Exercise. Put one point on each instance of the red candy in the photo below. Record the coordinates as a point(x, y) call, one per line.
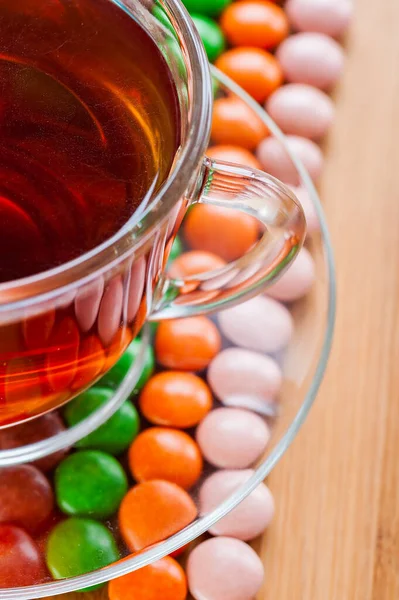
point(20, 560)
point(26, 497)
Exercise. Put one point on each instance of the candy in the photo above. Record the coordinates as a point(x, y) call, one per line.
point(224, 569)
point(187, 344)
point(297, 281)
point(195, 262)
point(77, 546)
point(114, 377)
point(163, 579)
point(331, 17)
point(212, 8)
point(153, 511)
point(231, 438)
point(234, 154)
point(168, 454)
point(254, 69)
point(254, 23)
point(116, 434)
point(234, 122)
point(302, 110)
point(276, 161)
point(177, 249)
point(211, 35)
point(312, 218)
point(26, 497)
point(175, 399)
point(35, 431)
point(109, 315)
point(311, 58)
point(257, 325)
point(250, 518)
point(238, 376)
point(20, 560)
point(227, 233)
point(90, 483)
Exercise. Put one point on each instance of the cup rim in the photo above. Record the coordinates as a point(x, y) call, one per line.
point(43, 286)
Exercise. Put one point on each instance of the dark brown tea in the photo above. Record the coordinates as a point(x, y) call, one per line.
point(89, 127)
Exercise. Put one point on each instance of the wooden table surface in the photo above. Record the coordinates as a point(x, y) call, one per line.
point(336, 532)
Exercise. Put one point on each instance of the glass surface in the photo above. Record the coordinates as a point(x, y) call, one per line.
point(303, 365)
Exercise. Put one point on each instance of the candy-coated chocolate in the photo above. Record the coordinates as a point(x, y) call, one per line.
point(232, 438)
point(211, 35)
point(224, 568)
point(211, 8)
point(152, 511)
point(312, 219)
point(237, 375)
point(250, 518)
point(177, 249)
point(78, 546)
point(258, 23)
point(275, 159)
point(265, 326)
point(168, 454)
point(235, 155)
point(187, 344)
point(234, 122)
point(175, 399)
point(90, 483)
point(20, 560)
point(331, 17)
point(39, 429)
point(222, 231)
point(297, 281)
point(255, 70)
point(27, 499)
point(163, 579)
point(195, 262)
point(115, 435)
point(312, 58)
point(114, 377)
point(300, 109)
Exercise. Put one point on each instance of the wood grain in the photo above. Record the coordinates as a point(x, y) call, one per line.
point(336, 532)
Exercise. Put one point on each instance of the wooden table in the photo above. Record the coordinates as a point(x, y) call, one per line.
point(336, 533)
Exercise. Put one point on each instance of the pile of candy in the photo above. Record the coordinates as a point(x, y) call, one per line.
point(200, 416)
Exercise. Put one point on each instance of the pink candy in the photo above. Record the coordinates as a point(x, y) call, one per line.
point(331, 17)
point(231, 438)
point(297, 281)
point(224, 569)
point(258, 324)
point(250, 518)
point(276, 160)
point(243, 378)
point(312, 219)
point(311, 58)
point(300, 109)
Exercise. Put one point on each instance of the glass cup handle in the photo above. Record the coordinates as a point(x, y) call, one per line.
point(281, 219)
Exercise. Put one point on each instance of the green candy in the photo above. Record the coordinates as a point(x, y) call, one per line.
point(113, 436)
point(114, 377)
point(79, 546)
point(176, 250)
point(211, 35)
point(162, 16)
point(90, 483)
point(210, 8)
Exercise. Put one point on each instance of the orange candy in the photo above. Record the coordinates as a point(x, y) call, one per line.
point(234, 122)
point(175, 399)
point(152, 511)
point(227, 233)
point(164, 579)
point(194, 262)
point(254, 23)
point(234, 154)
point(255, 70)
point(187, 344)
point(168, 454)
